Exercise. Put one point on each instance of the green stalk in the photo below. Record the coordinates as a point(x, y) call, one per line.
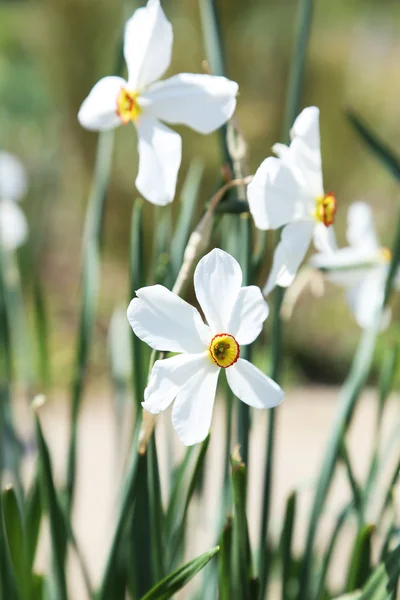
point(304, 19)
point(348, 398)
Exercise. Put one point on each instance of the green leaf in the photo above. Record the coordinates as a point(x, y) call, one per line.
point(15, 534)
point(360, 563)
point(225, 562)
point(382, 584)
point(50, 501)
point(8, 585)
point(179, 578)
point(286, 542)
point(382, 151)
point(185, 484)
point(33, 517)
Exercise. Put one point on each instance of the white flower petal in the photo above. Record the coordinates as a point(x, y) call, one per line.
point(251, 386)
point(98, 111)
point(324, 238)
point(147, 45)
point(289, 253)
point(166, 322)
point(13, 177)
point(202, 102)
point(306, 128)
point(360, 228)
point(367, 296)
point(248, 315)
point(274, 195)
point(160, 153)
point(280, 150)
point(13, 225)
point(167, 377)
point(217, 283)
point(345, 267)
point(193, 407)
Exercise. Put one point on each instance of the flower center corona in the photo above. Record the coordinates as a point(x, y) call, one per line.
point(385, 255)
point(326, 209)
point(127, 106)
point(224, 350)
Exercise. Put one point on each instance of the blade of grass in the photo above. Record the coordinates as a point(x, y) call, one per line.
point(360, 564)
point(286, 543)
point(225, 562)
point(33, 517)
point(8, 585)
point(348, 398)
point(293, 97)
point(380, 149)
point(178, 579)
point(14, 531)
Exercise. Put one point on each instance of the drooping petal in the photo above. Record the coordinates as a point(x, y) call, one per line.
point(202, 102)
point(324, 238)
point(168, 377)
point(367, 296)
point(251, 386)
point(13, 178)
point(98, 111)
point(248, 315)
point(13, 225)
point(217, 282)
point(147, 45)
point(289, 253)
point(160, 153)
point(274, 195)
point(360, 228)
point(166, 322)
point(193, 407)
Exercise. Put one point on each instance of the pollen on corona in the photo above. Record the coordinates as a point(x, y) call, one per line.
point(326, 209)
point(128, 108)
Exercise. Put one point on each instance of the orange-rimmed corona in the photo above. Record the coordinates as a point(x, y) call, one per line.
point(128, 108)
point(224, 350)
point(326, 209)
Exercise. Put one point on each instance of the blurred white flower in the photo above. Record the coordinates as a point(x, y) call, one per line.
point(361, 268)
point(288, 191)
point(235, 317)
point(13, 185)
point(203, 102)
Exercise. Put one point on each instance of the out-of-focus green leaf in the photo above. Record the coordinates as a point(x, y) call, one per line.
point(15, 534)
point(58, 532)
point(38, 587)
point(360, 563)
point(42, 332)
point(178, 579)
point(383, 583)
point(156, 512)
point(242, 570)
point(182, 493)
point(33, 517)
point(187, 209)
point(381, 150)
point(225, 562)
point(8, 585)
point(286, 542)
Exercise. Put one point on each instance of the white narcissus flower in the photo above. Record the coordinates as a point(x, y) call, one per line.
point(202, 102)
point(288, 192)
point(361, 268)
point(235, 317)
point(13, 185)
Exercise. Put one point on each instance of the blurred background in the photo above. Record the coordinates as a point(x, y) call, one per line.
point(53, 51)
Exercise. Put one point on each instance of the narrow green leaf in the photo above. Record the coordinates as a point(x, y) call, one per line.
point(242, 571)
point(178, 579)
point(50, 501)
point(225, 562)
point(286, 543)
point(355, 488)
point(42, 332)
point(33, 517)
point(8, 584)
point(382, 151)
point(360, 564)
point(187, 209)
point(14, 529)
point(181, 497)
point(156, 511)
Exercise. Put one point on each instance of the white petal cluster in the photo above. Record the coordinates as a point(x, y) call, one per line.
point(361, 267)
point(167, 323)
point(13, 186)
point(288, 192)
point(202, 102)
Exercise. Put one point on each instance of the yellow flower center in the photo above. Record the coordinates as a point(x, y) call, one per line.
point(326, 209)
point(385, 255)
point(224, 350)
point(127, 107)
